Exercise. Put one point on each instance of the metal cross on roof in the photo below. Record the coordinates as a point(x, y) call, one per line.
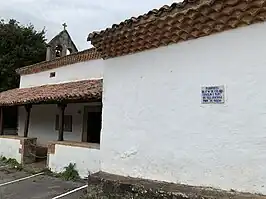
point(64, 25)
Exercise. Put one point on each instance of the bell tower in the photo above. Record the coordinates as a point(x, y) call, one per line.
point(61, 45)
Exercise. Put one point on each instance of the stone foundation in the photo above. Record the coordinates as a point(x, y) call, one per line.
point(104, 186)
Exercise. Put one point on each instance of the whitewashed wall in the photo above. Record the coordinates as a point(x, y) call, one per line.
point(74, 72)
point(87, 159)
point(10, 148)
point(154, 125)
point(43, 118)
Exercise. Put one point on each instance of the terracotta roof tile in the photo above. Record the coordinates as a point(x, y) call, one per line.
point(82, 90)
point(188, 20)
point(151, 15)
point(89, 54)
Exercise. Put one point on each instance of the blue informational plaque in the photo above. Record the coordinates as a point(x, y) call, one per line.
point(212, 95)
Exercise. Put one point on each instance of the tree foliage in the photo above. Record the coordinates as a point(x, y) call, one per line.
point(19, 46)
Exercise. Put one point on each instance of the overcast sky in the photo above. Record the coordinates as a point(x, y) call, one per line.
point(81, 16)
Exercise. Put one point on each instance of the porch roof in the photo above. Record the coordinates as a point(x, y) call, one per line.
point(73, 91)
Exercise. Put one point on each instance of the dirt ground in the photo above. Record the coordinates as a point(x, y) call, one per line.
point(13, 185)
point(105, 185)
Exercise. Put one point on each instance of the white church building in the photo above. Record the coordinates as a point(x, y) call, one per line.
point(60, 108)
point(176, 95)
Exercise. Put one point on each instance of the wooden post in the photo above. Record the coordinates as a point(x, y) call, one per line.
point(27, 121)
point(62, 108)
point(1, 121)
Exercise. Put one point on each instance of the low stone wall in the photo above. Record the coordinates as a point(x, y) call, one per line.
point(86, 156)
point(104, 186)
point(28, 150)
point(19, 148)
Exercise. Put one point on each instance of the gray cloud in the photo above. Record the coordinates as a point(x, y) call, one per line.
point(82, 16)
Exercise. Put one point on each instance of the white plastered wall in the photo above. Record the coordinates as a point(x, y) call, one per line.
point(92, 69)
point(10, 148)
point(87, 159)
point(155, 127)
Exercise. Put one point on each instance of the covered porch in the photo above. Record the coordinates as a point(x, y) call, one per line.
point(59, 121)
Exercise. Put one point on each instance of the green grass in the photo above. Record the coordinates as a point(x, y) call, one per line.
point(13, 163)
point(70, 173)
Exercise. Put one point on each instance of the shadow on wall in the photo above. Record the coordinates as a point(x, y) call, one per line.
point(10, 131)
point(10, 120)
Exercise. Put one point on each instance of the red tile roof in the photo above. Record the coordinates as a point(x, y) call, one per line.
point(89, 54)
point(73, 91)
point(150, 16)
point(179, 22)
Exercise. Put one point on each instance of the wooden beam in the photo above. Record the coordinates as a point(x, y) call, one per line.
point(1, 121)
point(27, 120)
point(62, 108)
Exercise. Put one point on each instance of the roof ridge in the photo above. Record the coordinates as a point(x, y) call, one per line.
point(155, 13)
point(204, 3)
point(91, 51)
